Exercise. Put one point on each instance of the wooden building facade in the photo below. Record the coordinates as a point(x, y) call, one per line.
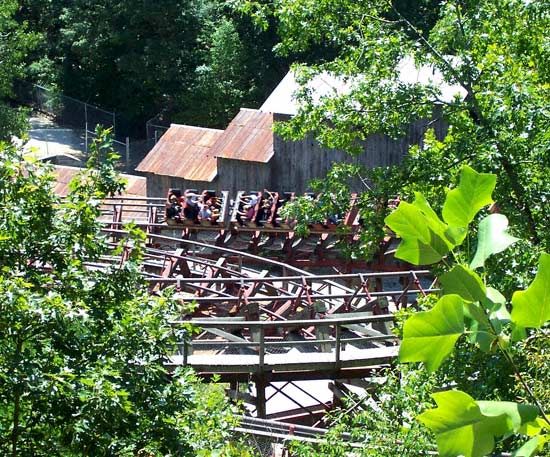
point(248, 156)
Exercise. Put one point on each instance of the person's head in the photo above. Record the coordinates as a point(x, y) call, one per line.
point(173, 199)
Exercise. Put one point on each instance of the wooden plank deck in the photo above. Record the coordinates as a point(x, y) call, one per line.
point(292, 361)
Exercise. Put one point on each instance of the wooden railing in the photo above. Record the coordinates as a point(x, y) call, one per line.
point(328, 340)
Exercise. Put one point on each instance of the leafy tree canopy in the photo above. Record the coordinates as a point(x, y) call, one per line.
point(82, 348)
point(496, 52)
point(194, 61)
point(15, 42)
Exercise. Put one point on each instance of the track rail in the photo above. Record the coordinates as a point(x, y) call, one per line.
point(263, 232)
point(273, 323)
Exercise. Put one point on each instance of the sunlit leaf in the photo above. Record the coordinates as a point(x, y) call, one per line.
point(430, 336)
point(464, 282)
point(473, 193)
point(531, 307)
point(478, 326)
point(492, 238)
point(465, 427)
point(531, 447)
point(423, 234)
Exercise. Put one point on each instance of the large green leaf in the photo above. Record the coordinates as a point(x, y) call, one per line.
point(464, 282)
point(518, 413)
point(423, 234)
point(492, 238)
point(419, 253)
point(531, 307)
point(495, 304)
point(435, 222)
point(473, 193)
point(478, 326)
point(532, 446)
point(465, 427)
point(430, 336)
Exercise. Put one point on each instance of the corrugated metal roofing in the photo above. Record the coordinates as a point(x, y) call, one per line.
point(185, 152)
point(136, 187)
point(248, 136)
point(282, 100)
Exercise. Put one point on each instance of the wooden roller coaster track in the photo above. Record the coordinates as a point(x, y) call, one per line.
point(277, 322)
point(262, 233)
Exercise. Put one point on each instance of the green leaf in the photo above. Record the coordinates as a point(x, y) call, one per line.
point(422, 232)
point(456, 234)
point(464, 282)
point(492, 238)
point(495, 304)
point(435, 222)
point(478, 326)
point(534, 427)
point(531, 307)
point(519, 333)
point(419, 253)
point(531, 447)
point(465, 427)
point(430, 336)
point(473, 193)
point(518, 413)
point(495, 298)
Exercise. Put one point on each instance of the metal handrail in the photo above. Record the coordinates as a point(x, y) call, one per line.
point(261, 298)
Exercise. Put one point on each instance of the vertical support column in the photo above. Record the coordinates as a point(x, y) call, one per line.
point(262, 349)
point(261, 383)
point(338, 345)
point(260, 378)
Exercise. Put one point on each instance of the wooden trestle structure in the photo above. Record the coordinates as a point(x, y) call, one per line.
point(270, 324)
point(272, 237)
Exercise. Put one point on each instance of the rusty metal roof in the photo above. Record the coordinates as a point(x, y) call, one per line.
point(248, 136)
point(184, 152)
point(136, 187)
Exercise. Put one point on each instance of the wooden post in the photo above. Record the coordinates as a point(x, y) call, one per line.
point(262, 349)
point(337, 351)
point(261, 384)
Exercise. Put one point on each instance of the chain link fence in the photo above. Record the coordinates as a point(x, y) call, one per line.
point(68, 112)
point(156, 127)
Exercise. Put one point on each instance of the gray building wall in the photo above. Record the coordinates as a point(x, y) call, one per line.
point(296, 162)
point(235, 175)
point(158, 185)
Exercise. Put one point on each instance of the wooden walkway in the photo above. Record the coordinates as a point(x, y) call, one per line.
point(312, 347)
point(291, 361)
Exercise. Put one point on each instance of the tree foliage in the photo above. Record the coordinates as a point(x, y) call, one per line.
point(486, 372)
point(470, 307)
point(82, 349)
point(194, 61)
point(15, 42)
point(493, 54)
